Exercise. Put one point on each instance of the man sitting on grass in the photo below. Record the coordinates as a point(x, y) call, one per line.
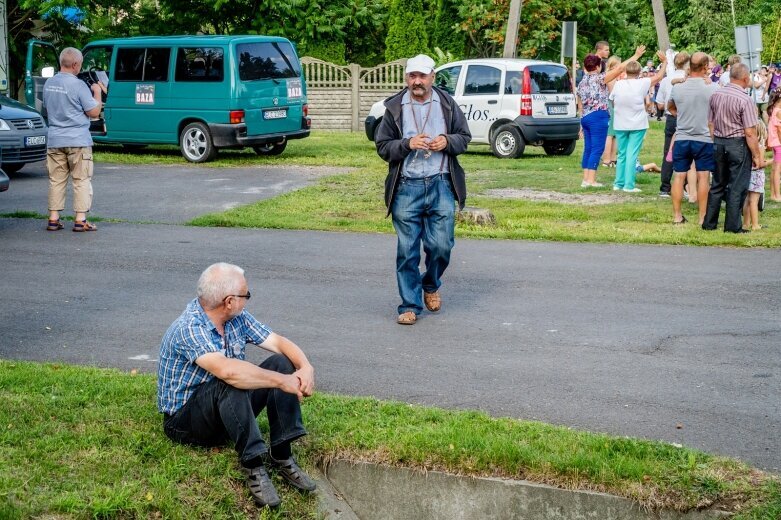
point(209, 394)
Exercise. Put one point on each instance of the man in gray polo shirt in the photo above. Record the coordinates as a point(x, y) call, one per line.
point(689, 103)
point(70, 105)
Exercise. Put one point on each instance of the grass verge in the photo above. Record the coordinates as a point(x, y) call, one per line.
point(353, 201)
point(84, 442)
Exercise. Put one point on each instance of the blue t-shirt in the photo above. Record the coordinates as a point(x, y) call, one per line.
point(66, 98)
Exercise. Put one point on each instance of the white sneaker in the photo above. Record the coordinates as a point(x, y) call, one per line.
point(633, 190)
point(597, 185)
point(585, 184)
point(616, 188)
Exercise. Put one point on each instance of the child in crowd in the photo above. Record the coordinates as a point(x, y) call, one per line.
point(774, 143)
point(756, 186)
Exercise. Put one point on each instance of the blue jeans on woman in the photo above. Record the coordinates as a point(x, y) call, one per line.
point(594, 136)
point(423, 210)
point(629, 143)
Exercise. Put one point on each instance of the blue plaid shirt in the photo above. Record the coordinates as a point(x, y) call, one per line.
point(188, 338)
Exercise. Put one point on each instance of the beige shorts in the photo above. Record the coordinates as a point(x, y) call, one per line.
point(73, 163)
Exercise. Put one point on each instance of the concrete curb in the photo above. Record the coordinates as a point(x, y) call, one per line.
point(377, 492)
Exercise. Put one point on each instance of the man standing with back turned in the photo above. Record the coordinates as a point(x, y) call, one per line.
point(70, 104)
point(421, 134)
point(733, 115)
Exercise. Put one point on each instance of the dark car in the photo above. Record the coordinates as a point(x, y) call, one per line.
point(22, 135)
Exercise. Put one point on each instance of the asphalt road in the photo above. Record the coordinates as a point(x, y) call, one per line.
point(671, 343)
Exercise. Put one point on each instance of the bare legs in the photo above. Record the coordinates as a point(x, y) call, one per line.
point(751, 211)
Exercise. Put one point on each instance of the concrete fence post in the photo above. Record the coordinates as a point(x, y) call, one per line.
point(355, 87)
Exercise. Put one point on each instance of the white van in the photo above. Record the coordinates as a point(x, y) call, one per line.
point(509, 103)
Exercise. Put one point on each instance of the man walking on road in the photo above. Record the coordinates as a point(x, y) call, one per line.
point(688, 102)
point(733, 115)
point(209, 394)
point(421, 134)
point(70, 104)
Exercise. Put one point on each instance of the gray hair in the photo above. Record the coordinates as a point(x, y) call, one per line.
point(738, 72)
point(69, 56)
point(218, 281)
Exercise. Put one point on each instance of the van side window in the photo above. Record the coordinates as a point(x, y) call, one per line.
point(447, 79)
point(481, 79)
point(200, 64)
point(271, 60)
point(512, 82)
point(142, 64)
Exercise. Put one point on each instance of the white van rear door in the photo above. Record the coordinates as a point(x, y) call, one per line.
point(552, 95)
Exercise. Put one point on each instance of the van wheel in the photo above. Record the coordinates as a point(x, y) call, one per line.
point(196, 144)
point(559, 147)
point(270, 148)
point(507, 142)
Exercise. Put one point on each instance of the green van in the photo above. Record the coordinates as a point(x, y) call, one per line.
point(200, 92)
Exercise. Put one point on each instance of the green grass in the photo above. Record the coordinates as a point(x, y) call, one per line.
point(82, 442)
point(353, 201)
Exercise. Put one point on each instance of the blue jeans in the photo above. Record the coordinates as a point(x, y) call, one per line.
point(423, 209)
point(629, 144)
point(218, 412)
point(594, 135)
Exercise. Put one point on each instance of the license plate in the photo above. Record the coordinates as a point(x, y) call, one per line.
point(35, 140)
point(557, 109)
point(275, 114)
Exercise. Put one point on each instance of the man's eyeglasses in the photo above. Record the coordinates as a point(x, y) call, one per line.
point(247, 296)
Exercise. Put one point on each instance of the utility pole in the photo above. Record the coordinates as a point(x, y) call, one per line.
point(660, 20)
point(3, 47)
point(512, 28)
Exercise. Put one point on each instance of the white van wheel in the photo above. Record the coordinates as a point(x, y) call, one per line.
point(507, 142)
point(271, 148)
point(196, 144)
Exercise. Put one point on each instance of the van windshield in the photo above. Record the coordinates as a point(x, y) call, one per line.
point(270, 60)
point(549, 79)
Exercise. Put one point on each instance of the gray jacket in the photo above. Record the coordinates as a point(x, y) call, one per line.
point(394, 149)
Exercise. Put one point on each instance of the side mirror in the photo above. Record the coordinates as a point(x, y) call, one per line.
point(47, 72)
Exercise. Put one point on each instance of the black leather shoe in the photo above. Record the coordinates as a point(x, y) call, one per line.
point(739, 231)
point(292, 472)
point(260, 486)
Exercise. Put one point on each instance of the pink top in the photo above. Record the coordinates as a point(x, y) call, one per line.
point(773, 128)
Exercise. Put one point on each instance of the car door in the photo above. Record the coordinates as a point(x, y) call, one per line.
point(480, 98)
point(41, 63)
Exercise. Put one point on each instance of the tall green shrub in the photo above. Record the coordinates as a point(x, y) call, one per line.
point(446, 36)
point(407, 30)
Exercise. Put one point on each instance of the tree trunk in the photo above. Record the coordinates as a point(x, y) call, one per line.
point(660, 20)
point(511, 35)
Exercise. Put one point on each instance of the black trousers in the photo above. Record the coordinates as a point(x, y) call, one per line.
point(218, 412)
point(730, 182)
point(670, 124)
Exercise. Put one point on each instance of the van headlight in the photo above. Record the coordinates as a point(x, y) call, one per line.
point(4, 125)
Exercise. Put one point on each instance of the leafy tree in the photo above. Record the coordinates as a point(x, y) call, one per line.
point(539, 34)
point(445, 36)
point(407, 34)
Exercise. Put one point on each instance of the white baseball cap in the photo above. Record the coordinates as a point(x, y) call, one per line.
point(420, 63)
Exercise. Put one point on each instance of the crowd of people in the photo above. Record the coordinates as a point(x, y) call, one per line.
point(719, 122)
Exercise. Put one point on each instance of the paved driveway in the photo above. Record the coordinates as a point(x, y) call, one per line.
point(169, 194)
point(672, 343)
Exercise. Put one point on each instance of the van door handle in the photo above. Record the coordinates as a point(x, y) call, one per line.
point(492, 101)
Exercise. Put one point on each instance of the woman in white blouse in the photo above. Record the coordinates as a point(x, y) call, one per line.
point(631, 120)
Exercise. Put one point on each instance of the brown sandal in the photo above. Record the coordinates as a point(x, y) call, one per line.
point(407, 318)
point(54, 225)
point(78, 227)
